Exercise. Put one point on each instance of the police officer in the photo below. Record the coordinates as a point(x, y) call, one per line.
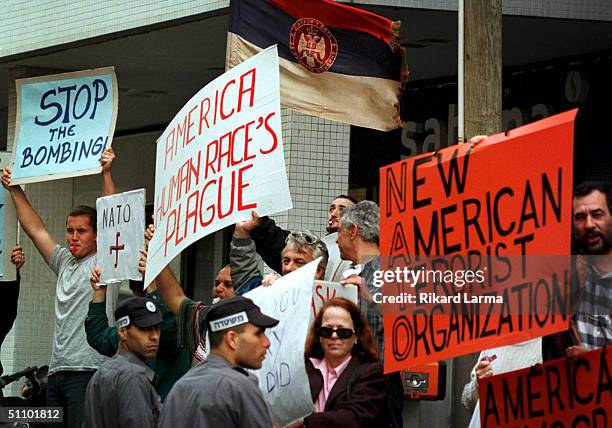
point(121, 393)
point(219, 392)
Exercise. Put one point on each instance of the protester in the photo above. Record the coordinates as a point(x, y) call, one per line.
point(9, 295)
point(171, 361)
point(270, 240)
point(591, 325)
point(358, 241)
point(301, 247)
point(187, 311)
point(496, 361)
point(346, 379)
point(73, 361)
point(121, 393)
point(219, 392)
point(223, 287)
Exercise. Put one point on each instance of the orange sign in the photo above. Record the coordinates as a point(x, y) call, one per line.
point(560, 393)
point(494, 203)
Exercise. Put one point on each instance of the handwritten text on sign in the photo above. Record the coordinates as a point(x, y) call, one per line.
point(560, 393)
point(325, 290)
point(121, 224)
point(64, 122)
point(220, 158)
point(509, 195)
point(282, 378)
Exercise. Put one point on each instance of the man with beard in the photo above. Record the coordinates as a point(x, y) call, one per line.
point(270, 240)
point(591, 325)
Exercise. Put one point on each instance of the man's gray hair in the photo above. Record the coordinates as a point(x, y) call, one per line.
point(366, 216)
point(302, 239)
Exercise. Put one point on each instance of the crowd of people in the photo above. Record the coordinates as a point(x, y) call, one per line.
point(169, 361)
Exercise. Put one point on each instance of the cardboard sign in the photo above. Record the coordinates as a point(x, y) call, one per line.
point(282, 378)
point(560, 393)
point(8, 227)
point(64, 123)
point(121, 226)
point(220, 158)
point(507, 196)
point(322, 291)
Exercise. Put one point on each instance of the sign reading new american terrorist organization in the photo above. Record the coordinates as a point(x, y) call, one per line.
point(64, 123)
point(120, 236)
point(282, 378)
point(476, 241)
point(220, 158)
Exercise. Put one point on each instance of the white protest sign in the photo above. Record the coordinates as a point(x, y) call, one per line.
point(64, 122)
point(121, 225)
point(220, 158)
point(282, 378)
point(325, 290)
point(8, 227)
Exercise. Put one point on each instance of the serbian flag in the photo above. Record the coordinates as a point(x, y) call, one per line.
point(336, 61)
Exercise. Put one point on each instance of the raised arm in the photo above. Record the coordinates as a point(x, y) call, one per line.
point(169, 288)
point(108, 185)
point(30, 221)
point(243, 263)
point(100, 336)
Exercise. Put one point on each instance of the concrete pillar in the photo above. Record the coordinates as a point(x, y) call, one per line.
point(483, 116)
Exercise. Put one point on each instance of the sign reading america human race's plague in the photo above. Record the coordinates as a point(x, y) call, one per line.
point(220, 158)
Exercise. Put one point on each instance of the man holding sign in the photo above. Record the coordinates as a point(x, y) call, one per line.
point(73, 361)
point(300, 247)
point(270, 239)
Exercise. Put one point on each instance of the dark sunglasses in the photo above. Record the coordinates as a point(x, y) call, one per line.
point(327, 332)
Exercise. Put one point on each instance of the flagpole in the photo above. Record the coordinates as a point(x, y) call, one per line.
point(460, 76)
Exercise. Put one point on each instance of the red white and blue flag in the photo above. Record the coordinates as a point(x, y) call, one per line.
point(336, 61)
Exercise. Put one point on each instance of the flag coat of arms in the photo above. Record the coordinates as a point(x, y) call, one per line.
point(336, 61)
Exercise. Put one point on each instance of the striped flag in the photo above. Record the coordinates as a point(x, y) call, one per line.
point(336, 61)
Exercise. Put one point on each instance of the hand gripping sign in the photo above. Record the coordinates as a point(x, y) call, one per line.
point(120, 237)
point(64, 123)
point(220, 158)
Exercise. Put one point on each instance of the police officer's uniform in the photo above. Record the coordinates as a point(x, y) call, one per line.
point(121, 392)
point(214, 394)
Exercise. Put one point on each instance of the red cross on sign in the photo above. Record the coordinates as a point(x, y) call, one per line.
point(116, 248)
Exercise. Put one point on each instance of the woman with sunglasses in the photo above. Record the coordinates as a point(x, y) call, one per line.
point(347, 383)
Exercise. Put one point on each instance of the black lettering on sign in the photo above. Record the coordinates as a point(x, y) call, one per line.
point(396, 192)
point(454, 173)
